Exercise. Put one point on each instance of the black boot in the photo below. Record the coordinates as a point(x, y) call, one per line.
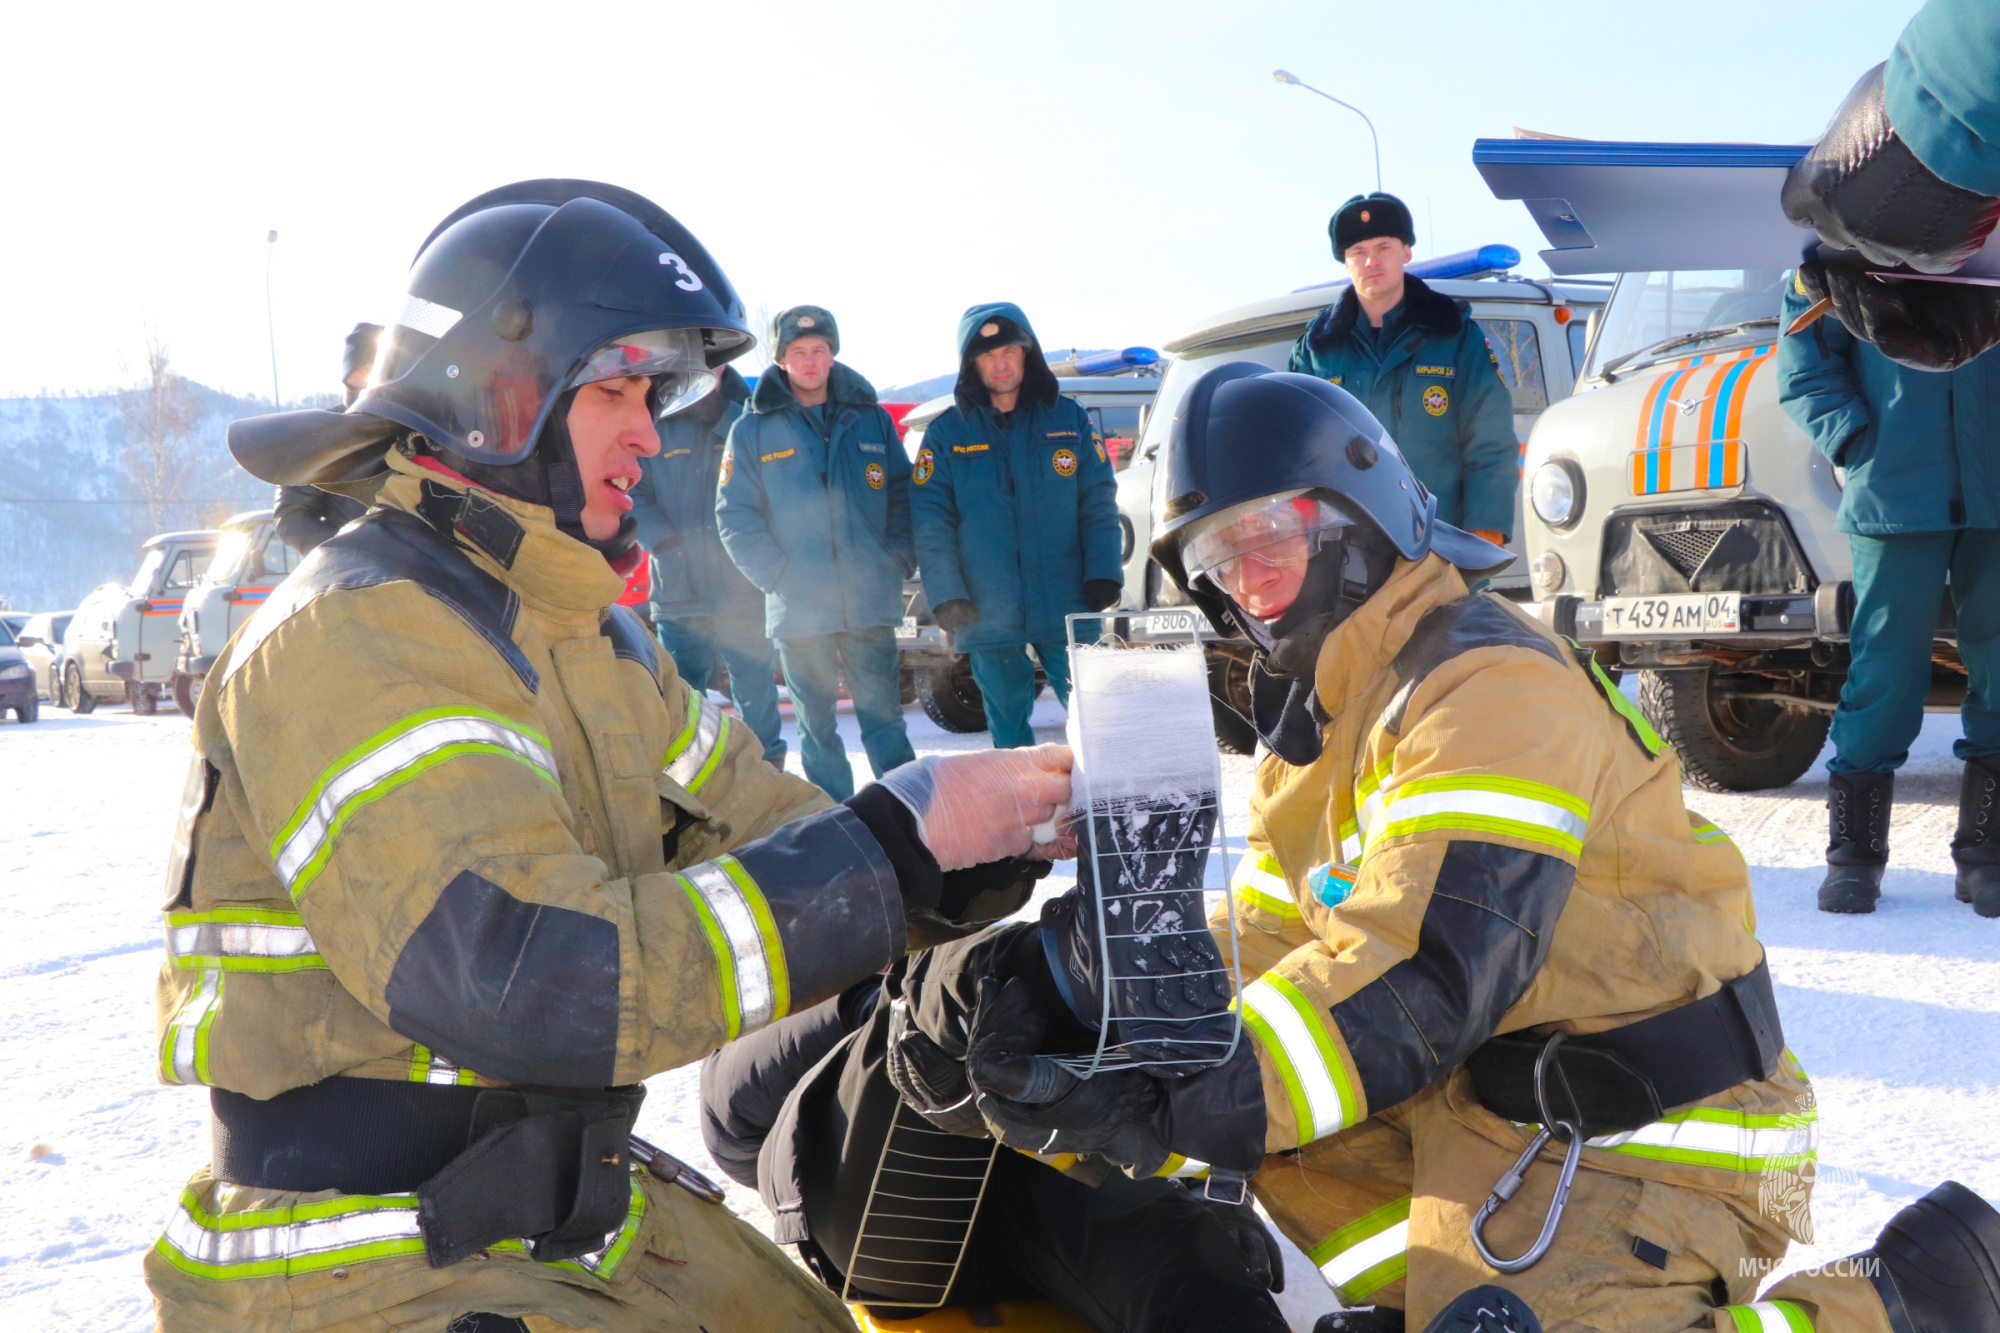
point(1486, 1310)
point(1939, 1269)
point(1374, 1319)
point(1857, 850)
point(1976, 848)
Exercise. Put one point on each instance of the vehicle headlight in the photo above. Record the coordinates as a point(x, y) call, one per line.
point(1547, 572)
point(1557, 494)
point(15, 672)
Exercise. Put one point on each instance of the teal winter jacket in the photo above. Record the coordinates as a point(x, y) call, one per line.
point(1015, 516)
point(820, 523)
point(1430, 379)
point(674, 505)
point(1918, 445)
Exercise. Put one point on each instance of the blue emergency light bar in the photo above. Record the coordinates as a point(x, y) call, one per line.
point(1110, 363)
point(1459, 264)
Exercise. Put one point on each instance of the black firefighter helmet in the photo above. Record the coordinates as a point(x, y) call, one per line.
point(1256, 457)
point(516, 299)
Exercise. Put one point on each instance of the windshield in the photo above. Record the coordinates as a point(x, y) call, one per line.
point(229, 553)
point(6, 634)
point(1648, 310)
point(142, 581)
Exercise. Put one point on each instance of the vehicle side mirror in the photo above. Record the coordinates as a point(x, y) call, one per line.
point(28, 641)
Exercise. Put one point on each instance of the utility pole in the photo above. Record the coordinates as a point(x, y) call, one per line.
point(270, 326)
point(1286, 76)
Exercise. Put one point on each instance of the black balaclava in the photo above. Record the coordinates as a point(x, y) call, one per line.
point(549, 476)
point(1284, 706)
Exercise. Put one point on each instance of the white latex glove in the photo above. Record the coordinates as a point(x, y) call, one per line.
point(975, 808)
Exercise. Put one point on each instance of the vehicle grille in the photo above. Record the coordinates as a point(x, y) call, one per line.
point(1686, 545)
point(1730, 546)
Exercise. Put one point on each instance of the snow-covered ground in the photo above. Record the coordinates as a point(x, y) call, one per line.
point(1896, 1016)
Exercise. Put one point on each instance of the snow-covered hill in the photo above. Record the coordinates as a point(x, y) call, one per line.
point(71, 516)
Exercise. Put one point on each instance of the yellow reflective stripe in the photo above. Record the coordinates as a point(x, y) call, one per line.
point(427, 1066)
point(332, 1233)
point(1294, 1035)
point(697, 752)
point(384, 762)
point(1506, 807)
point(241, 939)
point(749, 955)
point(1367, 1254)
point(1351, 845)
point(1260, 882)
point(1178, 1167)
point(184, 1046)
point(1708, 833)
point(304, 1238)
point(1769, 1317)
point(1725, 1140)
point(602, 1262)
point(1367, 808)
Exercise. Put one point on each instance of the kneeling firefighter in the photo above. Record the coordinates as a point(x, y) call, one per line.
point(461, 859)
point(1512, 1022)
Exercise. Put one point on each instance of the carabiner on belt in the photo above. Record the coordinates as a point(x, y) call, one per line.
point(665, 1166)
point(1509, 1184)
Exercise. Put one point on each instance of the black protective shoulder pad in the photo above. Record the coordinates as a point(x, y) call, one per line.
point(1479, 621)
point(390, 546)
point(629, 639)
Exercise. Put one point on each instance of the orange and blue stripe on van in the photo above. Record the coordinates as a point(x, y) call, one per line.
point(1671, 456)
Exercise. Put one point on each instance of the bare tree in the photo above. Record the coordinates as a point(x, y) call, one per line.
point(159, 412)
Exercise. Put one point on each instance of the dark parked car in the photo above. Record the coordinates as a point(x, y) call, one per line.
point(17, 679)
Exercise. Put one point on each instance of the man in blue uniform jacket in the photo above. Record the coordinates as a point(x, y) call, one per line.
point(815, 510)
point(1016, 510)
point(703, 608)
point(1418, 362)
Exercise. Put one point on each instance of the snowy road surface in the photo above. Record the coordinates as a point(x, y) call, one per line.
point(1896, 1016)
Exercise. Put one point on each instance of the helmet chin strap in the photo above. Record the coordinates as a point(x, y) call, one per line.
point(549, 476)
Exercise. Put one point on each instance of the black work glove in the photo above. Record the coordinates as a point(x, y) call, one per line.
point(991, 891)
point(1863, 189)
point(1260, 1249)
point(1032, 1104)
point(1923, 325)
point(1103, 594)
point(955, 614)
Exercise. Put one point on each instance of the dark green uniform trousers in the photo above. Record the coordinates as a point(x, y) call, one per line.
point(1899, 586)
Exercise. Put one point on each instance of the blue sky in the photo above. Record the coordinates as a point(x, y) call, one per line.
point(1121, 170)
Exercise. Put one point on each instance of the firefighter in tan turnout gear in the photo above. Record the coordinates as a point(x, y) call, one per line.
point(461, 860)
point(1513, 1023)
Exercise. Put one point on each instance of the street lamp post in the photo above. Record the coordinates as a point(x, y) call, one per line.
point(1286, 76)
point(270, 326)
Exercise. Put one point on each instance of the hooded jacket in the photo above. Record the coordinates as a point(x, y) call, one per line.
point(1917, 445)
point(1491, 840)
point(1431, 380)
point(820, 523)
point(1016, 516)
point(674, 506)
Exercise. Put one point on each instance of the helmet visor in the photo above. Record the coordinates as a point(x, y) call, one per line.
point(1275, 532)
point(672, 358)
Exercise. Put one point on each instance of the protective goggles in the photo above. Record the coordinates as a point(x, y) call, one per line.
point(1278, 530)
point(673, 358)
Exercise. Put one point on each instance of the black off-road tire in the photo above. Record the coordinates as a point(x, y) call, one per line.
point(1730, 744)
point(75, 697)
point(950, 698)
point(30, 711)
point(1229, 698)
point(187, 692)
